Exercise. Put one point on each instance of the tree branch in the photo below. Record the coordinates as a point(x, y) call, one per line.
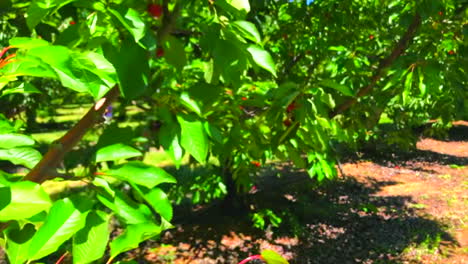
point(59, 148)
point(401, 46)
point(168, 20)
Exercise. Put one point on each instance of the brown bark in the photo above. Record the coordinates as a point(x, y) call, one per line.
point(401, 46)
point(54, 156)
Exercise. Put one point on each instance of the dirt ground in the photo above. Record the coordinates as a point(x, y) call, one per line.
point(394, 208)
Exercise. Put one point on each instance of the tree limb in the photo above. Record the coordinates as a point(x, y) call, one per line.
point(59, 148)
point(401, 46)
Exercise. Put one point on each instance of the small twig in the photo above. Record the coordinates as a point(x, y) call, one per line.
point(3, 226)
point(58, 149)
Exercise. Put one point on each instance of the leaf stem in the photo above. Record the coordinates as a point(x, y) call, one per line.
point(62, 258)
point(251, 258)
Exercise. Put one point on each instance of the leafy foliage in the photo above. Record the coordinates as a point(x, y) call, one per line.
point(234, 84)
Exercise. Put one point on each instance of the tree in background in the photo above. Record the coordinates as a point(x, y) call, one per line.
point(232, 82)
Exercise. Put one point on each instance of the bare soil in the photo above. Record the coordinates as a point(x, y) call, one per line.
point(386, 208)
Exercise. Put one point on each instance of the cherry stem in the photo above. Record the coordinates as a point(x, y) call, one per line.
point(4, 50)
point(61, 258)
point(251, 258)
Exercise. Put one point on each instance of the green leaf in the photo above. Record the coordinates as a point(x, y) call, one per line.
point(117, 151)
point(22, 200)
point(142, 174)
point(132, 237)
point(63, 221)
point(18, 241)
point(27, 43)
point(240, 4)
point(90, 243)
point(422, 86)
point(101, 183)
point(190, 103)
point(214, 133)
point(27, 65)
point(131, 20)
point(338, 48)
point(271, 257)
point(39, 9)
point(15, 140)
point(157, 198)
point(174, 53)
point(131, 64)
point(5, 125)
point(127, 210)
point(248, 30)
point(75, 70)
point(169, 139)
point(262, 58)
point(22, 88)
point(194, 139)
point(101, 67)
point(339, 87)
point(408, 85)
point(25, 156)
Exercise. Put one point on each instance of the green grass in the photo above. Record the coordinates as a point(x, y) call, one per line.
point(73, 113)
point(48, 137)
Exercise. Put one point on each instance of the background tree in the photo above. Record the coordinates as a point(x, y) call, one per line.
point(233, 84)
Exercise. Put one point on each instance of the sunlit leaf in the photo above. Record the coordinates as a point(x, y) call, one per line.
point(90, 243)
point(22, 200)
point(240, 4)
point(262, 58)
point(271, 257)
point(117, 151)
point(339, 87)
point(248, 30)
point(18, 241)
point(132, 237)
point(15, 140)
point(141, 174)
point(25, 156)
point(194, 139)
point(63, 221)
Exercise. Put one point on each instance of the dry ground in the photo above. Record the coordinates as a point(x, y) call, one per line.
point(396, 208)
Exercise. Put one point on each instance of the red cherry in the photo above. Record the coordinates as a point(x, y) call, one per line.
point(287, 122)
point(72, 22)
point(256, 163)
point(155, 10)
point(291, 107)
point(451, 52)
point(441, 13)
point(159, 52)
point(244, 98)
point(371, 37)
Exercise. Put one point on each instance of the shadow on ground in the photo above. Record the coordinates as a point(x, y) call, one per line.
point(390, 156)
point(340, 222)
